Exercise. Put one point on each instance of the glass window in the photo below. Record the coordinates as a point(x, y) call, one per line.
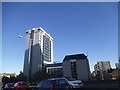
point(40, 85)
point(59, 82)
point(47, 84)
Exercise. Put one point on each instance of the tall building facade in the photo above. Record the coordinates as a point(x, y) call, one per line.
point(101, 68)
point(39, 50)
point(76, 66)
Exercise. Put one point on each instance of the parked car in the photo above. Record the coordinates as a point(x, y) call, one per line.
point(21, 85)
point(75, 83)
point(32, 85)
point(54, 83)
point(9, 86)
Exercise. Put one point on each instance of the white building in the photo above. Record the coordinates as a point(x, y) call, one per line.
point(76, 66)
point(39, 50)
point(101, 67)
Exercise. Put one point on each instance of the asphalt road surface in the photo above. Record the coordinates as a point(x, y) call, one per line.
point(102, 86)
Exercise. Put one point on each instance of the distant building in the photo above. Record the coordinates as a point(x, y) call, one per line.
point(7, 74)
point(101, 68)
point(102, 65)
point(93, 76)
point(55, 69)
point(76, 66)
point(39, 50)
point(116, 74)
point(118, 64)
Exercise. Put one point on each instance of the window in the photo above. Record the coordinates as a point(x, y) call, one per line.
point(59, 82)
point(73, 69)
point(46, 84)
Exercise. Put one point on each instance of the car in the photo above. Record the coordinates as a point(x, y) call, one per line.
point(75, 83)
point(9, 86)
point(32, 85)
point(54, 83)
point(21, 85)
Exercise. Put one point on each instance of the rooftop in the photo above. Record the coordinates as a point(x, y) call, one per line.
point(54, 65)
point(76, 56)
point(39, 28)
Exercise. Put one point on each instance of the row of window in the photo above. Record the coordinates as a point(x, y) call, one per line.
point(73, 70)
point(54, 70)
point(46, 48)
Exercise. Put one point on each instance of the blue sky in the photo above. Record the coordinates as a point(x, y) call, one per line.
point(76, 28)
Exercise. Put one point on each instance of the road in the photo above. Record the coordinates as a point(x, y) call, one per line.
point(102, 85)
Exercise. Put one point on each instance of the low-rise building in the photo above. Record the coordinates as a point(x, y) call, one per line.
point(54, 69)
point(115, 74)
point(8, 74)
point(76, 66)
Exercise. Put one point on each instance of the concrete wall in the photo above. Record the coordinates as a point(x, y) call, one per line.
point(36, 58)
point(26, 56)
point(83, 71)
point(82, 68)
point(66, 69)
point(26, 64)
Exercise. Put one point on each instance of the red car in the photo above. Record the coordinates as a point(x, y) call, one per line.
point(21, 85)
